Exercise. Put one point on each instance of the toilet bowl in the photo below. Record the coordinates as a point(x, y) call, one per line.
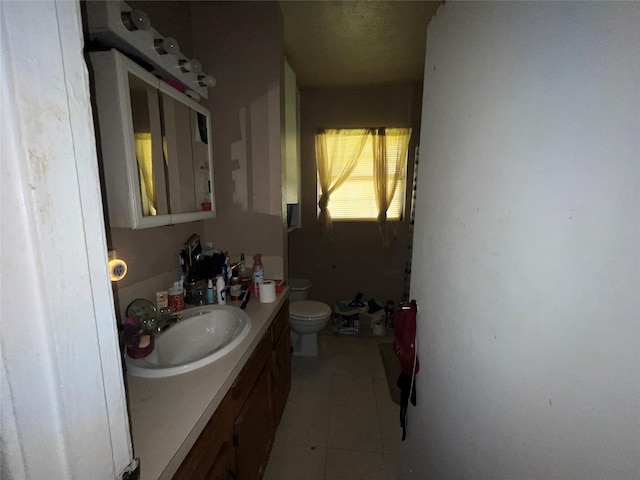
point(306, 319)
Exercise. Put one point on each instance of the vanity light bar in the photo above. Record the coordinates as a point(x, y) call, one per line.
point(117, 25)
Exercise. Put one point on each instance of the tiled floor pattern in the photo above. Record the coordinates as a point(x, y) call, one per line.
point(339, 422)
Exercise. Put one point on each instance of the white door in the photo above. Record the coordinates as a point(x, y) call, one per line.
point(64, 413)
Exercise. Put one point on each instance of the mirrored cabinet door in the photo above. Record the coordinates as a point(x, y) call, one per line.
point(147, 137)
point(186, 133)
point(156, 147)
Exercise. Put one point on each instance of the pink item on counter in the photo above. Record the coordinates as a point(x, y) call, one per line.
point(137, 352)
point(175, 84)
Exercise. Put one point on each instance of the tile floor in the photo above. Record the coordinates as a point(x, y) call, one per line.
point(339, 421)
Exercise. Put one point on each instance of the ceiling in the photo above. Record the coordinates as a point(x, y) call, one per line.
point(356, 42)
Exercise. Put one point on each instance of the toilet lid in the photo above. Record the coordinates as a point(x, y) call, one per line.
point(309, 309)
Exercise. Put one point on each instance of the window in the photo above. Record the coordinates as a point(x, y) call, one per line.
point(354, 197)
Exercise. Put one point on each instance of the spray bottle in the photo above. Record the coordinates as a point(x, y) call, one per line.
point(258, 272)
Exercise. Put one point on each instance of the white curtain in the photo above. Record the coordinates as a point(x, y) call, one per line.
point(390, 147)
point(145, 170)
point(337, 154)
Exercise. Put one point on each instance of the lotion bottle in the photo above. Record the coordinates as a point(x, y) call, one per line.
point(210, 292)
point(220, 290)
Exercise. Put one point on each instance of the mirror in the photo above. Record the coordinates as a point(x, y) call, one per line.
point(172, 153)
point(145, 115)
point(185, 135)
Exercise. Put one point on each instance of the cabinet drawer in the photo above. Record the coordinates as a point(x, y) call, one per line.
point(280, 324)
point(249, 375)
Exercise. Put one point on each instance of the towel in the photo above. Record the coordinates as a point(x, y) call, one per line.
point(404, 344)
point(406, 393)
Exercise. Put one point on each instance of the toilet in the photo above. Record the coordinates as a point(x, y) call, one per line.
point(306, 319)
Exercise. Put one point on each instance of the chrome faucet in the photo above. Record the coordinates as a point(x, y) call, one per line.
point(165, 321)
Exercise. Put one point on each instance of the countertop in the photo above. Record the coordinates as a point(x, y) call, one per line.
point(168, 414)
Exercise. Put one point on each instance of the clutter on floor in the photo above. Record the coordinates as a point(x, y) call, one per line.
point(355, 316)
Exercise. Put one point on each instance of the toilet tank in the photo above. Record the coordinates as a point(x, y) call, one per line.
point(299, 289)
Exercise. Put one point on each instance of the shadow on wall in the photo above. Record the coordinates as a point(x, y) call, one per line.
point(255, 167)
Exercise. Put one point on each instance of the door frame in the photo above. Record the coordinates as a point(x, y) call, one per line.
point(63, 403)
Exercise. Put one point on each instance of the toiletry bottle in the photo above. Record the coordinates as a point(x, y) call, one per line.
point(208, 249)
point(176, 297)
point(211, 298)
point(258, 271)
point(223, 271)
point(244, 274)
point(227, 263)
point(389, 311)
point(220, 290)
point(235, 287)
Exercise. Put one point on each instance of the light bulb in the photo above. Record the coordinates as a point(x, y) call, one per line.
point(192, 65)
point(167, 45)
point(207, 80)
point(136, 20)
point(196, 66)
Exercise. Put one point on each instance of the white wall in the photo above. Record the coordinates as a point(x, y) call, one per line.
point(526, 260)
point(242, 43)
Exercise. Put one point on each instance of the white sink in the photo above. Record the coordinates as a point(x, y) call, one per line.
point(202, 336)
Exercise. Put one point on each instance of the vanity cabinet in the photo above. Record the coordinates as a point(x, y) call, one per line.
point(280, 364)
point(254, 427)
point(237, 441)
point(155, 147)
point(254, 430)
point(213, 455)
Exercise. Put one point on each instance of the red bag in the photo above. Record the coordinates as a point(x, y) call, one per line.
point(404, 338)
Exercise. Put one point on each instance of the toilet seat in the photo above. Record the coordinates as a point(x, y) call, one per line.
point(308, 310)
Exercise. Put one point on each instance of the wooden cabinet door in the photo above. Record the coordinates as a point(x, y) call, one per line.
point(254, 430)
point(212, 456)
point(281, 372)
point(224, 465)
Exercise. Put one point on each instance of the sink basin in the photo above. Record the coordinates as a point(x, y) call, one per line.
point(202, 336)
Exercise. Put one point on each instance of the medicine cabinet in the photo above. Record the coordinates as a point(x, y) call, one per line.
point(156, 147)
